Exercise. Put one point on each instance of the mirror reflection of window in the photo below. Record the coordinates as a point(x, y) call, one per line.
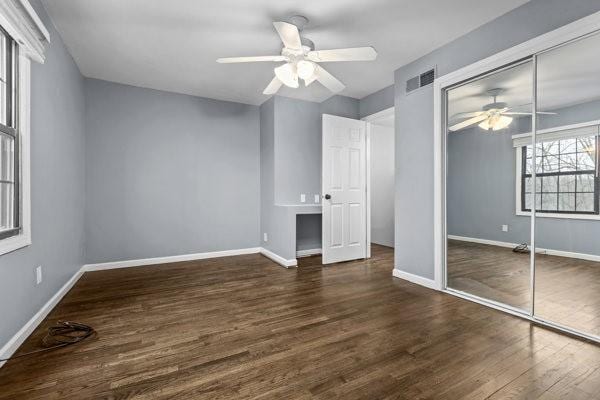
point(566, 175)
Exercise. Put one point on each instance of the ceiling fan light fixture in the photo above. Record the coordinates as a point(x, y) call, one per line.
point(590, 150)
point(287, 74)
point(485, 125)
point(306, 69)
point(496, 123)
point(301, 59)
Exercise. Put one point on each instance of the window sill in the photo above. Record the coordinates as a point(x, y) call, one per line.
point(14, 243)
point(592, 217)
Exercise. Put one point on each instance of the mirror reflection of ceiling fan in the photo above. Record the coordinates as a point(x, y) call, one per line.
point(301, 59)
point(492, 117)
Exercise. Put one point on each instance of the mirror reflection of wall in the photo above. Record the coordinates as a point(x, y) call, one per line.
point(567, 195)
point(482, 225)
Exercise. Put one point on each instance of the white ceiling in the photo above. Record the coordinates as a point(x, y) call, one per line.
point(172, 45)
point(567, 75)
point(516, 84)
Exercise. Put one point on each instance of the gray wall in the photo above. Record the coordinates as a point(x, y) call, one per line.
point(481, 188)
point(57, 189)
point(584, 112)
point(272, 218)
point(414, 118)
point(342, 106)
point(168, 174)
point(298, 138)
point(297, 150)
point(290, 147)
point(377, 101)
point(382, 185)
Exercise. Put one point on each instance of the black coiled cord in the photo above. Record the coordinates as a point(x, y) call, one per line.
point(63, 334)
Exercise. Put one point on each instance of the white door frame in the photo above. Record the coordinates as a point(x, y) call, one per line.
point(530, 48)
point(369, 119)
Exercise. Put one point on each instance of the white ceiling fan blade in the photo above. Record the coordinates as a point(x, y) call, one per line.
point(528, 113)
point(289, 35)
point(467, 115)
point(311, 79)
point(231, 60)
point(273, 86)
point(350, 54)
point(469, 122)
point(528, 106)
point(328, 80)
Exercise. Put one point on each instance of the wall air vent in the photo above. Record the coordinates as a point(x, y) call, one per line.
point(424, 79)
point(427, 77)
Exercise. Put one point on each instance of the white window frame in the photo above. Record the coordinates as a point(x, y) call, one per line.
point(21, 22)
point(556, 134)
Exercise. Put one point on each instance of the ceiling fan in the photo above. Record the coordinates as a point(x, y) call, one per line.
point(301, 59)
point(492, 117)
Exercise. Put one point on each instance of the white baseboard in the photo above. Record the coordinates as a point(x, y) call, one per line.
point(308, 252)
point(383, 243)
point(190, 257)
point(278, 259)
point(568, 254)
point(170, 259)
point(419, 280)
point(483, 241)
point(13, 344)
point(550, 252)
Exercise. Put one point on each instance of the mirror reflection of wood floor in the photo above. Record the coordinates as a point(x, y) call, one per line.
point(245, 328)
point(567, 289)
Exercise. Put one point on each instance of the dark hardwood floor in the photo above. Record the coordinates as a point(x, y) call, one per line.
point(567, 289)
point(491, 272)
point(245, 328)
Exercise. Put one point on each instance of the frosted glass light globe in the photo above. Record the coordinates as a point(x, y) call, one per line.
point(306, 69)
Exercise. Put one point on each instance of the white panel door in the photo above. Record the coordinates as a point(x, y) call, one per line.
point(344, 189)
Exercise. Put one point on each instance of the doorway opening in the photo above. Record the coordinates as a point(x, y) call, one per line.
point(357, 186)
point(380, 181)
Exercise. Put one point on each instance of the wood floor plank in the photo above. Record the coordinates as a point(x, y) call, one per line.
point(567, 289)
point(244, 328)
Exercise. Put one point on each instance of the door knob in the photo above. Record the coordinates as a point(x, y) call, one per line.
point(327, 197)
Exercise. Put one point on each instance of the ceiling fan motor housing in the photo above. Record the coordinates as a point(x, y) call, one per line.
point(299, 20)
point(307, 44)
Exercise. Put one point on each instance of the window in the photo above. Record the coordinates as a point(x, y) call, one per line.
point(23, 38)
point(9, 140)
point(566, 176)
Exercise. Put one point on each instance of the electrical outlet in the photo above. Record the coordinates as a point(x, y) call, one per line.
point(504, 228)
point(265, 237)
point(317, 198)
point(38, 275)
point(302, 198)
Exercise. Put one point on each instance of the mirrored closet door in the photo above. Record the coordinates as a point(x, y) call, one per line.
point(514, 182)
point(487, 242)
point(567, 224)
